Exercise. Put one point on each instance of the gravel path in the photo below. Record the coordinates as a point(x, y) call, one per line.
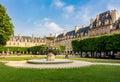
point(74, 64)
point(24, 64)
point(115, 64)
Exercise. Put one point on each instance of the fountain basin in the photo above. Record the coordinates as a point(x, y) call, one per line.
point(44, 61)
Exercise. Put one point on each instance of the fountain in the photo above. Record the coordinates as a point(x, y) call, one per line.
point(50, 59)
point(50, 56)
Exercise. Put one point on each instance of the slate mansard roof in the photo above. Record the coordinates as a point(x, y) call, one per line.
point(85, 29)
point(28, 38)
point(73, 33)
point(102, 17)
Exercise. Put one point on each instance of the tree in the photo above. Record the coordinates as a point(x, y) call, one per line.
point(102, 44)
point(62, 48)
point(6, 27)
point(75, 45)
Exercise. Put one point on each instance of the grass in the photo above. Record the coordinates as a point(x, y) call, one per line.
point(25, 57)
point(97, 60)
point(95, 73)
point(28, 57)
point(19, 58)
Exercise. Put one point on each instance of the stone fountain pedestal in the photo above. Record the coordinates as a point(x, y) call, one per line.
point(50, 57)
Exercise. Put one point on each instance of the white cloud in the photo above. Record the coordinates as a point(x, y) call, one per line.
point(37, 28)
point(52, 26)
point(58, 3)
point(69, 9)
point(48, 27)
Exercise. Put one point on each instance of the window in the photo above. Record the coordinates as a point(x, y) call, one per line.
point(18, 44)
point(106, 22)
point(86, 33)
point(13, 43)
point(77, 35)
point(99, 23)
point(25, 44)
point(103, 18)
point(106, 15)
point(10, 43)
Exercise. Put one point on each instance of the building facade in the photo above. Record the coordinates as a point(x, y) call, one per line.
point(25, 41)
point(105, 23)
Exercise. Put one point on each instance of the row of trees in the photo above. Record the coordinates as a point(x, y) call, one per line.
point(100, 44)
point(33, 50)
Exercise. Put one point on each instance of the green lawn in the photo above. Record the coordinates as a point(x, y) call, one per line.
point(97, 60)
point(28, 57)
point(95, 73)
point(24, 57)
point(19, 58)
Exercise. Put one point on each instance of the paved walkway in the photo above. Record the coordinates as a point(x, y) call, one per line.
point(75, 64)
point(24, 64)
point(115, 64)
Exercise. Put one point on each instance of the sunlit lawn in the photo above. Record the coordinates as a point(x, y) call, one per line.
point(97, 60)
point(25, 57)
point(96, 73)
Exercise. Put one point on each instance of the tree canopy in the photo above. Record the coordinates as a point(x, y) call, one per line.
point(6, 27)
point(99, 44)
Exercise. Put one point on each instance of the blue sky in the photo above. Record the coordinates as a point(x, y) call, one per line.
point(42, 17)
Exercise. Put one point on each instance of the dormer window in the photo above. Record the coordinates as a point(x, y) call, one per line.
point(103, 18)
point(107, 15)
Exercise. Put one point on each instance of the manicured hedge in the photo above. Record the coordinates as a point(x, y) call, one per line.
point(13, 49)
point(99, 44)
point(34, 50)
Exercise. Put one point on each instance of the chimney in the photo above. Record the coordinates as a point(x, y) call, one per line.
point(76, 28)
point(91, 21)
point(97, 17)
point(65, 32)
point(32, 35)
point(114, 14)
